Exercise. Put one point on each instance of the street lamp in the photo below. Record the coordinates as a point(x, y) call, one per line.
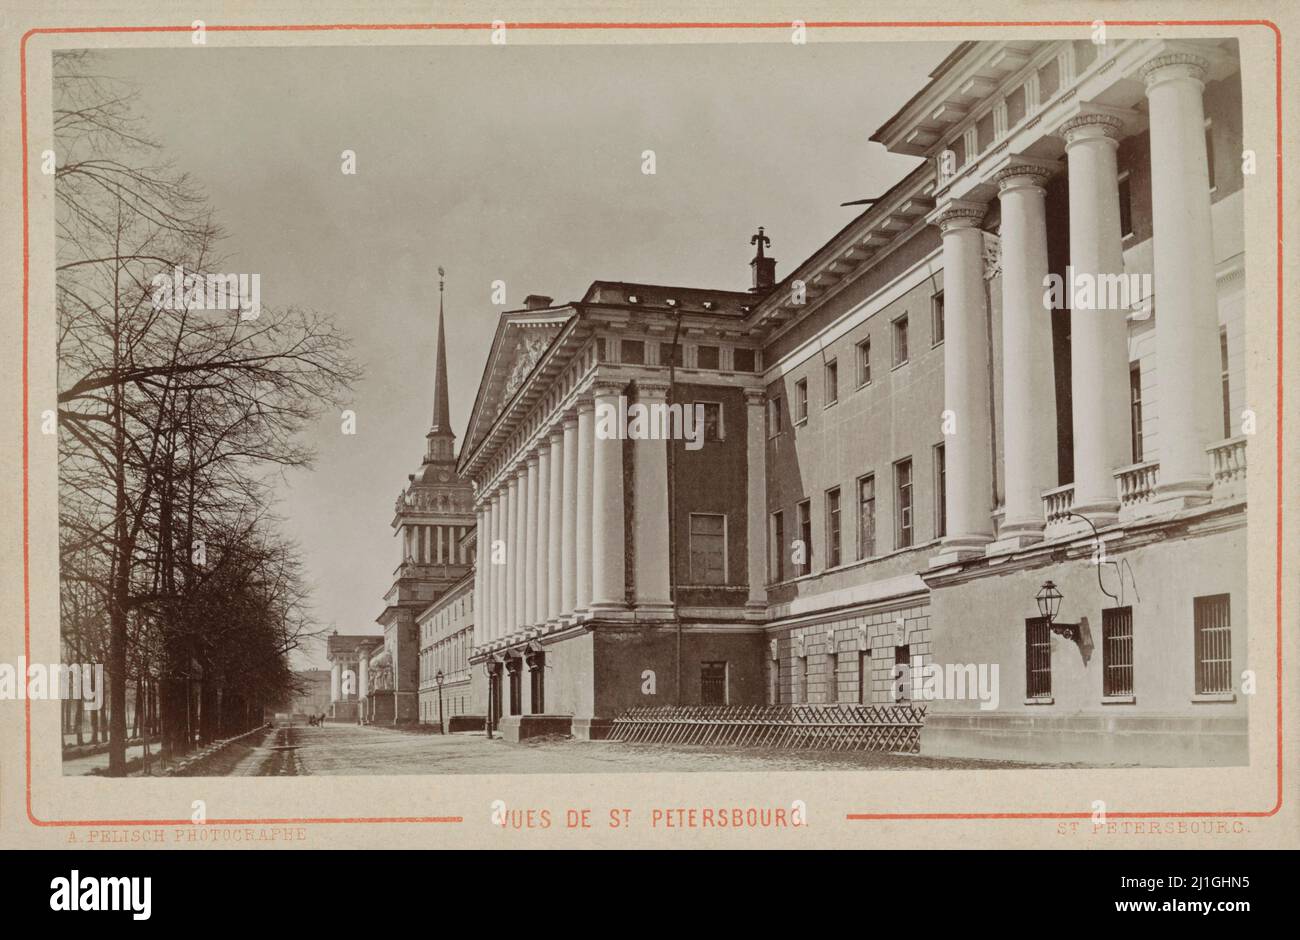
point(438, 679)
point(1049, 605)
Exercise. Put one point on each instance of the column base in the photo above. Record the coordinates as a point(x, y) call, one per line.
point(1181, 494)
point(1100, 512)
point(654, 610)
point(959, 548)
point(604, 608)
point(1015, 537)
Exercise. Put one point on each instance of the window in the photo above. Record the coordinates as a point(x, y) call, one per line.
point(1223, 381)
point(936, 318)
point(805, 536)
point(774, 416)
point(1117, 651)
point(866, 516)
point(831, 692)
point(633, 351)
point(778, 547)
point(940, 491)
point(670, 354)
point(1213, 644)
point(713, 683)
point(537, 682)
point(516, 689)
point(706, 357)
point(864, 362)
point(832, 382)
point(903, 503)
point(774, 681)
point(802, 666)
point(900, 340)
point(864, 674)
point(1209, 152)
point(1135, 409)
point(1038, 658)
point(833, 528)
point(1125, 205)
point(712, 420)
point(902, 672)
point(742, 360)
point(708, 548)
point(800, 401)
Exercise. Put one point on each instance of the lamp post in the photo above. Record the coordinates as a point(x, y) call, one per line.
point(1049, 605)
point(438, 679)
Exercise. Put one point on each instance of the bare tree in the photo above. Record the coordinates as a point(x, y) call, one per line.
point(172, 418)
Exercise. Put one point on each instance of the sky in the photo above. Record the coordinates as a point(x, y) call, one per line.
point(517, 163)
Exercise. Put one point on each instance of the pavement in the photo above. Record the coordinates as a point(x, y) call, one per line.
point(366, 750)
point(356, 750)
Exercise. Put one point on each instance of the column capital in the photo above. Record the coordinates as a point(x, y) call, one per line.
point(585, 404)
point(1174, 65)
point(957, 214)
point(755, 397)
point(648, 388)
point(569, 419)
point(1095, 121)
point(530, 459)
point(555, 436)
point(601, 387)
point(1022, 173)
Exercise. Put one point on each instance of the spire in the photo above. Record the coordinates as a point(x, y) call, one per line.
point(441, 401)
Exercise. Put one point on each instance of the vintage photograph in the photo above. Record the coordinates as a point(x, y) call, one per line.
point(582, 408)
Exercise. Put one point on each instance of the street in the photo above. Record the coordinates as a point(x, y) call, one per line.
point(357, 750)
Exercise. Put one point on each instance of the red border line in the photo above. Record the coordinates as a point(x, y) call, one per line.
point(886, 24)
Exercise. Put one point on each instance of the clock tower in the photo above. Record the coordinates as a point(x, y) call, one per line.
point(433, 520)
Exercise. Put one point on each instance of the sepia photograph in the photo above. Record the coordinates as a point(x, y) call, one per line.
point(959, 479)
point(462, 429)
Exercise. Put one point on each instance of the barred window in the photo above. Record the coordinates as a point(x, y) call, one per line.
point(1213, 644)
point(1038, 658)
point(1117, 651)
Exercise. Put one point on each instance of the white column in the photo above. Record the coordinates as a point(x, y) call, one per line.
point(497, 565)
point(1028, 375)
point(520, 560)
point(1187, 318)
point(555, 524)
point(363, 677)
point(607, 546)
point(1098, 332)
point(532, 562)
point(336, 682)
point(480, 575)
point(582, 519)
point(650, 511)
point(508, 535)
point(756, 495)
point(967, 447)
point(568, 531)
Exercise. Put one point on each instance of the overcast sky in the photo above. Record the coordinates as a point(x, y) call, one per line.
point(515, 163)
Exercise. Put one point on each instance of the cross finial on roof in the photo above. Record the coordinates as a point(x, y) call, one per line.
point(760, 240)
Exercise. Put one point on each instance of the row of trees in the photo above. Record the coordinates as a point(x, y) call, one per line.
point(174, 422)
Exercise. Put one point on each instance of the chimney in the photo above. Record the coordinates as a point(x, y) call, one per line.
point(763, 267)
point(537, 302)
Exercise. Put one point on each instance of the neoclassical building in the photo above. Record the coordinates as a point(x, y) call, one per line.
point(910, 446)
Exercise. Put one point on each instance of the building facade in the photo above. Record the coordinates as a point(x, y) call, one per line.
point(1019, 375)
point(446, 638)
